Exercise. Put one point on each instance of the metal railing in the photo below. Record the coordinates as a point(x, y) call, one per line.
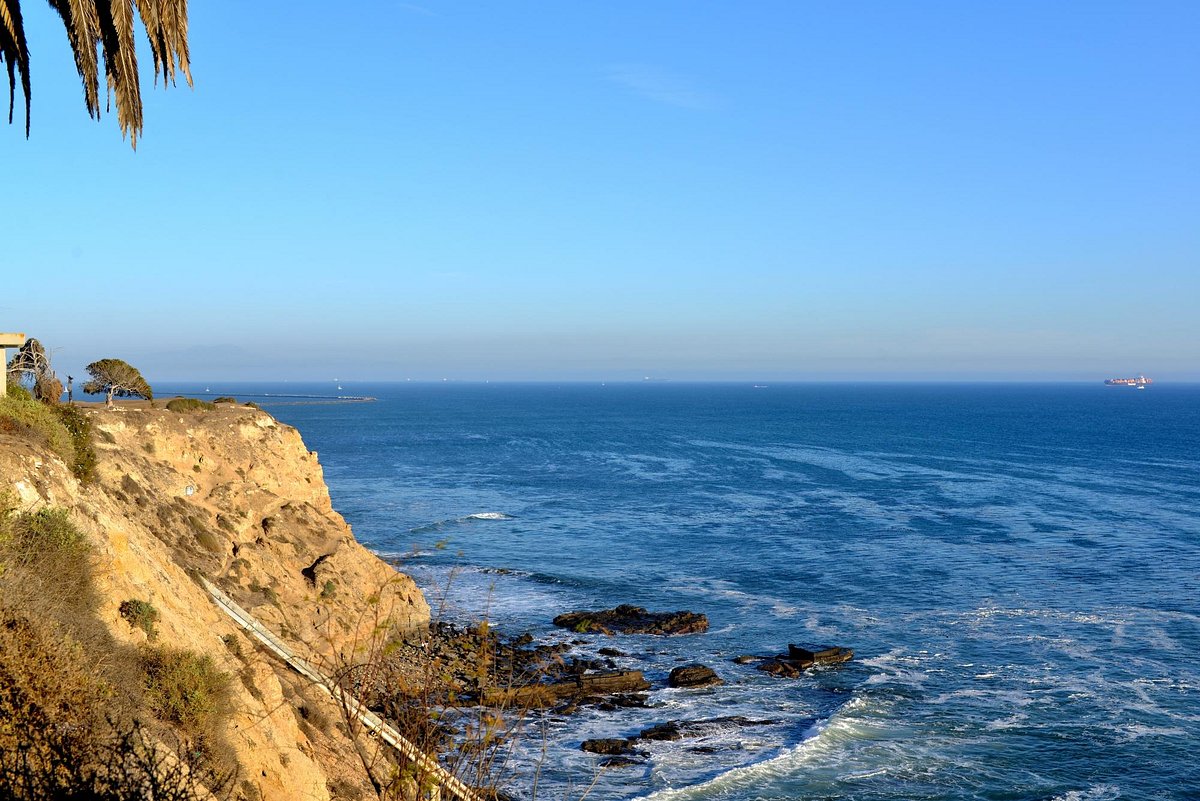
point(444, 780)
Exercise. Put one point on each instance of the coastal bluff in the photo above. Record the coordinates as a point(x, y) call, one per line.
point(233, 496)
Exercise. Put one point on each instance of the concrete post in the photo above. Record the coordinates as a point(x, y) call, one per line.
point(7, 341)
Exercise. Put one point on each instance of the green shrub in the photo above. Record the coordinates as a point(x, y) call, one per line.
point(64, 733)
point(234, 645)
point(207, 540)
point(20, 414)
point(19, 392)
point(186, 689)
point(250, 405)
point(49, 529)
point(225, 399)
point(79, 427)
point(141, 615)
point(188, 405)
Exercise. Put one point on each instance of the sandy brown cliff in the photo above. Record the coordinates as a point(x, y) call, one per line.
point(235, 496)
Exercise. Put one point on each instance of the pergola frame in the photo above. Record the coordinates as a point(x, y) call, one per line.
point(8, 341)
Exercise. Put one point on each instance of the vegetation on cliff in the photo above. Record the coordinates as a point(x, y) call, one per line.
point(115, 377)
point(63, 429)
point(74, 702)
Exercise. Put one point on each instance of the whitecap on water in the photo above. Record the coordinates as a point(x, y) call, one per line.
point(844, 725)
point(1097, 792)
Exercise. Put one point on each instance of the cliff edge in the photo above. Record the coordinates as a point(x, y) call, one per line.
point(233, 495)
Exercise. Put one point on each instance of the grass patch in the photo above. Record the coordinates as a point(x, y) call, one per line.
point(188, 405)
point(186, 690)
point(25, 417)
point(79, 428)
point(73, 718)
point(141, 615)
point(49, 529)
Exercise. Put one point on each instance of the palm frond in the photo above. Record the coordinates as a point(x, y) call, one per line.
point(83, 31)
point(105, 27)
point(14, 51)
point(166, 27)
point(120, 64)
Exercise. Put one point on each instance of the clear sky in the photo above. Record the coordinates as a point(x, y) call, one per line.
point(607, 190)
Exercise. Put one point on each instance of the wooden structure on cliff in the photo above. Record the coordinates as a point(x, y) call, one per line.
point(440, 779)
point(8, 341)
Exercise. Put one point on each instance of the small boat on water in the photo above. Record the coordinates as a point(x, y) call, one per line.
point(1137, 383)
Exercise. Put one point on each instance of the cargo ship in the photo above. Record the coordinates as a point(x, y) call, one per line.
point(1138, 383)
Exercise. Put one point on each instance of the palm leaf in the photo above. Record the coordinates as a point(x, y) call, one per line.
point(120, 64)
point(83, 31)
point(107, 27)
point(14, 51)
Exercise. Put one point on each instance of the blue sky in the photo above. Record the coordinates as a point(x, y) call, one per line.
point(586, 190)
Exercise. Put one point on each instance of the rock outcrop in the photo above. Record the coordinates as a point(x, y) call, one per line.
point(797, 660)
point(235, 496)
point(629, 619)
point(688, 676)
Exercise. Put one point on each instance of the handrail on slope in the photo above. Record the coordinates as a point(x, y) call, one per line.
point(446, 780)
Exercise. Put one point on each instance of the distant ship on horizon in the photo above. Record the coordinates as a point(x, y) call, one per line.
point(1138, 383)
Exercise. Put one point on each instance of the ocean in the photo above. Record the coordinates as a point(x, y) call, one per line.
point(1017, 568)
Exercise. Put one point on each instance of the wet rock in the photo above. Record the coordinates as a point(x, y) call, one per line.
point(797, 659)
point(620, 762)
point(782, 667)
point(746, 659)
point(612, 652)
point(823, 656)
point(620, 701)
point(679, 729)
point(693, 676)
point(607, 745)
point(580, 686)
point(662, 731)
point(628, 619)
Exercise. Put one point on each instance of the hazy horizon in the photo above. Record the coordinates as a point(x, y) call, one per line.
point(522, 191)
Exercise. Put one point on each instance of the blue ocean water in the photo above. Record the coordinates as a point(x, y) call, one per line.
point(1016, 567)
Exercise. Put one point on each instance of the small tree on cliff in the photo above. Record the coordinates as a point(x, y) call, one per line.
point(31, 367)
point(116, 377)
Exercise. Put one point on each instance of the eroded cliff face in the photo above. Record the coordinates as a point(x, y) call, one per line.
point(233, 495)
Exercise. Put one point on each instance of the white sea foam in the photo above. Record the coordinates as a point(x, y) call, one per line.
point(488, 516)
point(832, 734)
point(1135, 731)
point(1097, 792)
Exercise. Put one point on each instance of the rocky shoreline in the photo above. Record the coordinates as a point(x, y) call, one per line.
point(476, 666)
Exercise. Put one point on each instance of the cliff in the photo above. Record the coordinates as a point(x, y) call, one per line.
point(235, 496)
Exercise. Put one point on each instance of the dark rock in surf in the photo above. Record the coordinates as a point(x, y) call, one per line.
point(607, 745)
point(797, 659)
point(587, 685)
point(629, 619)
point(679, 729)
point(619, 701)
point(693, 676)
point(824, 656)
point(662, 731)
point(783, 668)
